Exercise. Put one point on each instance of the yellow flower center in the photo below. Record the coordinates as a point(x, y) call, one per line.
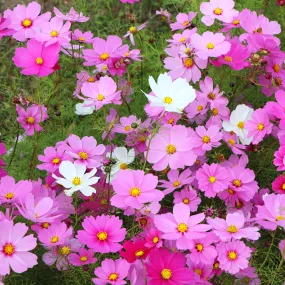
point(200, 108)
point(241, 125)
point(236, 22)
point(65, 250)
point(54, 33)
point(210, 46)
point(83, 258)
point(258, 31)
point(171, 149)
point(113, 276)
point(30, 120)
point(283, 186)
point(237, 182)
point(170, 121)
point(188, 62)
point(186, 201)
point(231, 142)
point(231, 191)
point(102, 236)
point(211, 96)
point(260, 127)
point(91, 79)
point(280, 218)
point(186, 23)
point(9, 249)
point(215, 112)
point(198, 271)
point(81, 39)
point(139, 253)
point(276, 67)
point(135, 191)
point(228, 58)
point(83, 155)
point(212, 179)
point(56, 160)
point(155, 240)
point(166, 274)
point(182, 228)
point(45, 225)
point(206, 139)
point(9, 195)
point(104, 56)
point(39, 61)
point(199, 247)
point(127, 54)
point(232, 229)
point(218, 11)
point(167, 100)
point(103, 201)
point(216, 265)
point(123, 166)
point(100, 97)
point(133, 30)
point(76, 181)
point(127, 128)
point(176, 183)
point(232, 255)
point(27, 23)
point(182, 40)
point(54, 239)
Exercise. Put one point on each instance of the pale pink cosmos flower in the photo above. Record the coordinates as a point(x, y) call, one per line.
point(134, 189)
point(83, 257)
point(176, 180)
point(183, 21)
point(197, 109)
point(31, 118)
point(54, 32)
point(164, 13)
point(181, 227)
point(171, 146)
point(85, 38)
point(219, 113)
point(235, 22)
point(83, 77)
point(4, 31)
point(184, 38)
point(26, 20)
point(189, 197)
point(233, 143)
point(126, 124)
point(212, 179)
point(85, 151)
point(11, 192)
point(101, 92)
point(233, 227)
point(132, 31)
point(277, 109)
point(111, 272)
point(71, 16)
point(210, 44)
point(202, 272)
point(233, 256)
point(218, 9)
point(111, 119)
point(15, 248)
point(37, 59)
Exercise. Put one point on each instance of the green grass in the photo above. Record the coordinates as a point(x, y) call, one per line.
point(110, 17)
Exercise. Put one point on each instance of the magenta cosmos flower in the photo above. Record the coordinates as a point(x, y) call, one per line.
point(233, 256)
point(279, 159)
point(15, 248)
point(86, 38)
point(37, 59)
point(134, 189)
point(233, 227)
point(181, 227)
point(210, 44)
point(11, 192)
point(31, 118)
point(188, 197)
point(71, 16)
point(101, 92)
point(26, 20)
point(111, 272)
point(167, 268)
point(85, 151)
point(102, 233)
point(278, 185)
point(183, 21)
point(218, 9)
point(171, 146)
point(153, 238)
point(212, 179)
point(83, 257)
point(134, 250)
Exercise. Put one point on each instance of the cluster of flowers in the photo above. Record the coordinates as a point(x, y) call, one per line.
point(173, 148)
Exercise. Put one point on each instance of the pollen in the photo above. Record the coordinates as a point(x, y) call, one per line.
point(232, 229)
point(236, 22)
point(260, 127)
point(30, 120)
point(133, 30)
point(167, 100)
point(100, 97)
point(83, 258)
point(170, 121)
point(102, 236)
point(81, 39)
point(212, 96)
point(27, 23)
point(123, 166)
point(218, 11)
point(200, 108)
point(39, 61)
point(113, 277)
point(171, 149)
point(212, 179)
point(182, 40)
point(186, 23)
point(216, 265)
point(83, 155)
point(231, 142)
point(276, 68)
point(139, 253)
point(56, 160)
point(232, 255)
point(54, 33)
point(54, 239)
point(283, 186)
point(258, 31)
point(231, 191)
point(210, 46)
point(176, 183)
point(155, 240)
point(9, 195)
point(188, 62)
point(237, 182)
point(240, 125)
point(182, 228)
point(166, 274)
point(135, 191)
point(91, 79)
point(104, 56)
point(45, 225)
point(206, 139)
point(228, 58)
point(186, 201)
point(280, 218)
point(215, 112)
point(198, 271)
point(65, 250)
point(9, 249)
point(199, 247)
point(76, 181)
point(127, 128)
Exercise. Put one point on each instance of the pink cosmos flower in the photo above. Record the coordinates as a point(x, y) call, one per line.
point(37, 59)
point(15, 248)
point(11, 192)
point(203, 250)
point(277, 109)
point(4, 31)
point(54, 32)
point(101, 92)
point(278, 185)
point(202, 272)
point(111, 272)
point(85, 151)
point(235, 22)
point(282, 248)
point(86, 38)
point(219, 113)
point(167, 268)
point(233, 256)
point(71, 16)
point(232, 141)
point(83, 257)
point(198, 108)
point(272, 213)
point(212, 179)
point(183, 21)
point(258, 126)
point(54, 235)
point(134, 189)
point(184, 38)
point(176, 180)
point(26, 20)
point(2, 163)
point(210, 44)
point(134, 250)
point(83, 77)
point(153, 238)
point(133, 30)
point(165, 14)
point(189, 197)
point(279, 159)
point(233, 227)
point(181, 227)
point(103, 233)
point(171, 146)
point(218, 9)
point(31, 118)
point(126, 123)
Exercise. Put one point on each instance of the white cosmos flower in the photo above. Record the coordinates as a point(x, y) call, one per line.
point(173, 96)
point(75, 179)
point(83, 111)
point(238, 117)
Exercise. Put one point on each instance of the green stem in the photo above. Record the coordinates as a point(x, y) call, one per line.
point(269, 250)
point(15, 146)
